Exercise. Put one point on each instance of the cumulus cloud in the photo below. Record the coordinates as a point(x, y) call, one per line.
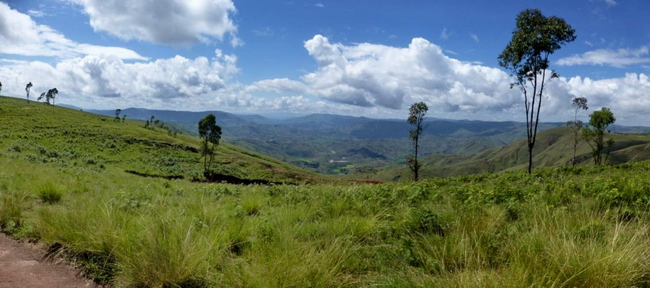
point(377, 75)
point(176, 22)
point(20, 35)
point(96, 78)
point(372, 80)
point(603, 57)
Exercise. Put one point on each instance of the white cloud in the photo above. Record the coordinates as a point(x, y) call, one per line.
point(320, 5)
point(603, 57)
point(36, 13)
point(474, 37)
point(20, 35)
point(177, 22)
point(382, 81)
point(369, 75)
point(96, 80)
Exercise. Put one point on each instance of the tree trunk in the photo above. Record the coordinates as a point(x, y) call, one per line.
point(530, 157)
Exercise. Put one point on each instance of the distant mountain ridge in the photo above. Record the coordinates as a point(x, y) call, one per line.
point(336, 144)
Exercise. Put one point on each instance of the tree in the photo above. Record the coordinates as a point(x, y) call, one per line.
point(416, 117)
point(0, 86)
point(595, 132)
point(50, 94)
point(526, 58)
point(117, 115)
point(123, 118)
point(27, 89)
point(210, 132)
point(578, 103)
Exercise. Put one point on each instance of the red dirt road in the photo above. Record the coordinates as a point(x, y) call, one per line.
point(24, 265)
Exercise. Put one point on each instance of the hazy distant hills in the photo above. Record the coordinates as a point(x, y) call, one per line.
point(336, 144)
point(553, 148)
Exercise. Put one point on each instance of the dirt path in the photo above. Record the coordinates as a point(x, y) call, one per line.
point(24, 265)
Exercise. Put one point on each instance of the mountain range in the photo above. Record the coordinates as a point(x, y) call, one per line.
point(336, 144)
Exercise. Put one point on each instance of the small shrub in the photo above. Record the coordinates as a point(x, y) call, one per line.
point(50, 194)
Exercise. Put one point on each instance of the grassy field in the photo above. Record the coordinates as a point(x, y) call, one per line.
point(62, 137)
point(561, 227)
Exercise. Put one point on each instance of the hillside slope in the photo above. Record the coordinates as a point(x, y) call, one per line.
point(553, 148)
point(62, 137)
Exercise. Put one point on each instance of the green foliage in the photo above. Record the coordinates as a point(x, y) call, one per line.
point(49, 193)
point(595, 132)
point(49, 95)
point(526, 58)
point(416, 117)
point(210, 132)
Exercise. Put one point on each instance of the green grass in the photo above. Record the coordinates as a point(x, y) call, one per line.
point(561, 227)
point(66, 138)
point(553, 148)
point(584, 227)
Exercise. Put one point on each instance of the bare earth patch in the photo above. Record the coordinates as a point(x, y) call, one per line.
point(25, 265)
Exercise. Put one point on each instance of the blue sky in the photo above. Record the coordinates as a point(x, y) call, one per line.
point(367, 58)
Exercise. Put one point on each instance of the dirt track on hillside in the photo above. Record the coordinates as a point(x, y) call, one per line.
point(25, 265)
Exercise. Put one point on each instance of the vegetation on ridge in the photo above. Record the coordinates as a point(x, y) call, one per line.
point(583, 226)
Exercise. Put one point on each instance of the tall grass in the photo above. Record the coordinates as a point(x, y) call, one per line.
point(560, 228)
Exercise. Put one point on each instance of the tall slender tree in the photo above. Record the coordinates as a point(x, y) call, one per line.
point(210, 132)
point(526, 58)
point(27, 89)
point(0, 86)
point(578, 103)
point(416, 118)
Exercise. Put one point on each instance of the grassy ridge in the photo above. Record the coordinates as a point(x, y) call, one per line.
point(64, 137)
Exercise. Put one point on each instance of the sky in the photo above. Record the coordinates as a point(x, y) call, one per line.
point(371, 58)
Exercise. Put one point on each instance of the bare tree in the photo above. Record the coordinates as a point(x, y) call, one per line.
point(578, 103)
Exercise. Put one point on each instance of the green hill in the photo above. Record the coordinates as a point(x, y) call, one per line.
point(63, 137)
point(554, 148)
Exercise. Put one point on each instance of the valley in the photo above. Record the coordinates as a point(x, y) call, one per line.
point(122, 203)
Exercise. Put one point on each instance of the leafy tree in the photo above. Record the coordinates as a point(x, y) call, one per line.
point(0, 86)
point(27, 89)
point(117, 115)
point(578, 103)
point(526, 58)
point(123, 118)
point(594, 134)
point(50, 94)
point(210, 132)
point(416, 117)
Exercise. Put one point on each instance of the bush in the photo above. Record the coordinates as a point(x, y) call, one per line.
point(50, 194)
